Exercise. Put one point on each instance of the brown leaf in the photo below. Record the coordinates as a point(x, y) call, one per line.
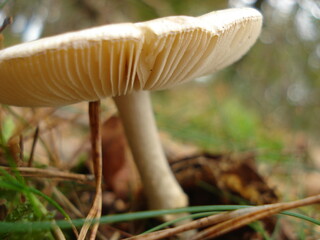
point(236, 174)
point(119, 171)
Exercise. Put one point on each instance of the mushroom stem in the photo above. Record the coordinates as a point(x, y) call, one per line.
point(161, 187)
point(96, 153)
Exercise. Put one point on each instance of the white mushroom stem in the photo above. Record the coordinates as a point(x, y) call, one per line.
point(161, 187)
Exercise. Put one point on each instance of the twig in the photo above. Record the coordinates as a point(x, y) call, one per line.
point(186, 227)
point(21, 146)
point(7, 21)
point(95, 211)
point(67, 204)
point(252, 214)
point(58, 233)
point(228, 221)
point(34, 142)
point(55, 174)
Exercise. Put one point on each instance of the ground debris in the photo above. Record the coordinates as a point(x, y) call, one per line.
point(236, 174)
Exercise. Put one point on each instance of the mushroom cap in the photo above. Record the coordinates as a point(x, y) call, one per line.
point(118, 59)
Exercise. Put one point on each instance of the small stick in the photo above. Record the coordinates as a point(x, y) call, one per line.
point(252, 214)
point(33, 147)
point(21, 146)
point(199, 223)
point(228, 221)
point(66, 203)
point(95, 211)
point(7, 21)
point(49, 173)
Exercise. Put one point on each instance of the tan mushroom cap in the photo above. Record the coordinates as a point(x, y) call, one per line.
point(117, 59)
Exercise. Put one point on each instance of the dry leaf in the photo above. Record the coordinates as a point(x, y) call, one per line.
point(119, 171)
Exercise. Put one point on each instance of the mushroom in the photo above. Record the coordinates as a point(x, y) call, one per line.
point(126, 61)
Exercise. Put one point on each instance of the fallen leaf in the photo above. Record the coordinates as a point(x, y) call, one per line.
point(119, 172)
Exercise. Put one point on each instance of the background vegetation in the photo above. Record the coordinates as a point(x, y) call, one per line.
point(267, 103)
point(274, 89)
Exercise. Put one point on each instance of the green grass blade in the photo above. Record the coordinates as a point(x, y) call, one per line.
point(46, 225)
point(301, 216)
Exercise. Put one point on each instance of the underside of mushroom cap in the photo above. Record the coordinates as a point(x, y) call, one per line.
point(118, 59)
point(79, 66)
point(179, 49)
